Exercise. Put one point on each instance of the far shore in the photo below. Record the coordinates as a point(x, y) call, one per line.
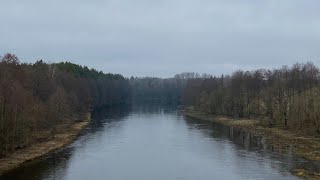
point(38, 150)
point(303, 146)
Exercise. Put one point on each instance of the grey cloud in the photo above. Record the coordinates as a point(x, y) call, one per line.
point(161, 38)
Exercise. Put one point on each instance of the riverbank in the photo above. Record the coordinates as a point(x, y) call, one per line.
point(282, 140)
point(65, 136)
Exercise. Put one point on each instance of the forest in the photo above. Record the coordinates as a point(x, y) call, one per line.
point(287, 97)
point(36, 98)
point(167, 90)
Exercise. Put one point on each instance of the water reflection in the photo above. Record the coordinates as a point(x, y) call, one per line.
point(50, 167)
point(259, 150)
point(55, 165)
point(152, 141)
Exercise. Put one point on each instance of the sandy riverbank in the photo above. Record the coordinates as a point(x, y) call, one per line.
point(37, 150)
point(283, 140)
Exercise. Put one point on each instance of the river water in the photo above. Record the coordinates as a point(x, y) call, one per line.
point(156, 142)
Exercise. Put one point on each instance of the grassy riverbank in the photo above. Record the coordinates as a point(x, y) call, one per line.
point(65, 134)
point(283, 140)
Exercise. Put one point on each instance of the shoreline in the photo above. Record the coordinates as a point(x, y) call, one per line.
point(283, 140)
point(41, 149)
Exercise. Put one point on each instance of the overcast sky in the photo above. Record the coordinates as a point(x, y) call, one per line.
point(163, 37)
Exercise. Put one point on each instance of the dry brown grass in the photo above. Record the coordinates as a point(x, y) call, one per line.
point(306, 174)
point(63, 137)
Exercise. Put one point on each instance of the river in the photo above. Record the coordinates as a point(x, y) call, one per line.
point(156, 142)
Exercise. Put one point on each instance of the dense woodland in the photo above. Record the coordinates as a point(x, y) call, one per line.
point(168, 90)
point(157, 89)
point(36, 98)
point(288, 97)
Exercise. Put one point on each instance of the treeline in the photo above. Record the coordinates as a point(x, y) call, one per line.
point(287, 97)
point(36, 98)
point(162, 89)
point(157, 89)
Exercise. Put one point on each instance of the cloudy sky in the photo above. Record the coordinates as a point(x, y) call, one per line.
point(163, 37)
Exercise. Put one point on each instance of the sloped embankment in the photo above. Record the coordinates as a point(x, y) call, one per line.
point(62, 138)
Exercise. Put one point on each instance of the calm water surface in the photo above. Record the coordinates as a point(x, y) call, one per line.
point(156, 142)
